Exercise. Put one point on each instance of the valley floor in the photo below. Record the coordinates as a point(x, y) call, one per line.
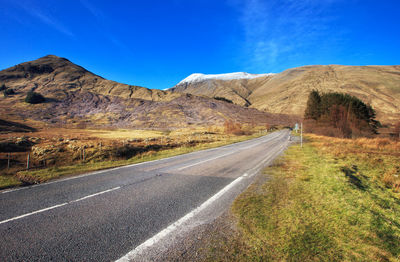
point(332, 200)
point(54, 153)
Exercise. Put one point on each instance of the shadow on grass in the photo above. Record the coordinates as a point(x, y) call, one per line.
point(383, 228)
point(129, 151)
point(10, 126)
point(312, 243)
point(350, 173)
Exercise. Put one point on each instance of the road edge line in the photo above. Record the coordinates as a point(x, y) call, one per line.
point(174, 226)
point(5, 191)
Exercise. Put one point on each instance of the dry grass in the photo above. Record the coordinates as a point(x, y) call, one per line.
point(60, 152)
point(125, 134)
point(287, 92)
point(332, 200)
point(381, 154)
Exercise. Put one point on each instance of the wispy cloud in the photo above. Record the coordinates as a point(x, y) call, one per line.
point(277, 30)
point(45, 18)
point(92, 9)
point(102, 24)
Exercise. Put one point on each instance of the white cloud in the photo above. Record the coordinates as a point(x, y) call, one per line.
point(277, 30)
point(35, 12)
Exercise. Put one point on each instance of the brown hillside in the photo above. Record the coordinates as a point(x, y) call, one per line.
point(238, 91)
point(287, 92)
point(76, 97)
point(53, 76)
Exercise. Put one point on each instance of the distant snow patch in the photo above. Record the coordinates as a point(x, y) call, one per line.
point(230, 76)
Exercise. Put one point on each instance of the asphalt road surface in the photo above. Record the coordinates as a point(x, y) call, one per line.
point(131, 212)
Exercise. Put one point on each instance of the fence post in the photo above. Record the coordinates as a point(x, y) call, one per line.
point(83, 154)
point(27, 161)
point(8, 161)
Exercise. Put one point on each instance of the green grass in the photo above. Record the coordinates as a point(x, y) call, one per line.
point(317, 206)
point(43, 175)
point(7, 181)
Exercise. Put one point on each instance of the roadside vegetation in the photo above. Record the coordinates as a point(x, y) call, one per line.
point(339, 115)
point(53, 154)
point(332, 200)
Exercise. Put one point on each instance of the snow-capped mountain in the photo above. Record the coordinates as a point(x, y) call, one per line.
point(235, 87)
point(194, 78)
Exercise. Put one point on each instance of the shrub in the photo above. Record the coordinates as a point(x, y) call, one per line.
point(34, 98)
point(234, 128)
point(223, 99)
point(127, 151)
point(3, 87)
point(8, 91)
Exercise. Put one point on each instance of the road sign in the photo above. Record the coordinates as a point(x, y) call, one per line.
point(296, 127)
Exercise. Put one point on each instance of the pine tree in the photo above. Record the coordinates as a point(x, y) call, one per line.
point(343, 112)
point(313, 110)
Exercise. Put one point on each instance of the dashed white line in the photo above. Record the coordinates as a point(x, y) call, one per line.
point(201, 162)
point(269, 136)
point(236, 151)
point(56, 206)
point(153, 240)
point(32, 213)
point(96, 194)
point(165, 232)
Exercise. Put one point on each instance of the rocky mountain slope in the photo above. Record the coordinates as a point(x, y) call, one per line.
point(235, 88)
point(77, 97)
point(53, 76)
point(287, 92)
point(193, 78)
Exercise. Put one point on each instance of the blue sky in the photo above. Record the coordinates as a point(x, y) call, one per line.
point(157, 43)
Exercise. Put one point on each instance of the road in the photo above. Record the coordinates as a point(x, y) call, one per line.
point(124, 212)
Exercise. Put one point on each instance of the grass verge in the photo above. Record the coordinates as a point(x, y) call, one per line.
point(327, 201)
point(43, 175)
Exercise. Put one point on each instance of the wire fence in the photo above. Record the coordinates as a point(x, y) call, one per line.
point(19, 161)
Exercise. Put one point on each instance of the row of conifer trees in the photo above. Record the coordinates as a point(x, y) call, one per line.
point(346, 114)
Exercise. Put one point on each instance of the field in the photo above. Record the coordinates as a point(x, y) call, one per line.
point(59, 152)
point(332, 200)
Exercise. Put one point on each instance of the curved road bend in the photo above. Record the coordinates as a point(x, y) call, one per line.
point(122, 213)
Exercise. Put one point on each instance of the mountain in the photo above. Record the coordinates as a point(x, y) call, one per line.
point(77, 97)
point(287, 92)
point(193, 78)
point(236, 87)
point(52, 76)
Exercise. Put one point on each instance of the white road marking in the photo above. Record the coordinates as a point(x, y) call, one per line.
point(56, 206)
point(201, 162)
point(236, 151)
point(163, 233)
point(96, 194)
point(32, 213)
point(269, 136)
point(258, 167)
